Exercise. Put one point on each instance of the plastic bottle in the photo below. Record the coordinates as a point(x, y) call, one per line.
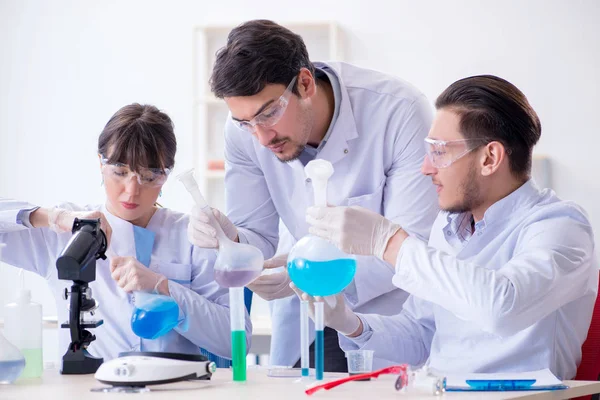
point(23, 328)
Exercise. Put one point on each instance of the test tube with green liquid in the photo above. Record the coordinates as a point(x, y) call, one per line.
point(237, 314)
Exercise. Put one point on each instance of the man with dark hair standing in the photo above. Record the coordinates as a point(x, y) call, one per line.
point(286, 111)
point(509, 278)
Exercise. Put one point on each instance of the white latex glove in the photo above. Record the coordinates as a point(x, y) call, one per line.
point(336, 313)
point(355, 230)
point(131, 275)
point(61, 220)
point(273, 286)
point(202, 234)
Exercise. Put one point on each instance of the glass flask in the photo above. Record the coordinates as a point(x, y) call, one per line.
point(154, 315)
point(12, 361)
point(237, 264)
point(23, 328)
point(315, 265)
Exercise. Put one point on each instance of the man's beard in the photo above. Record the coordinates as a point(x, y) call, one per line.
point(294, 156)
point(305, 119)
point(471, 192)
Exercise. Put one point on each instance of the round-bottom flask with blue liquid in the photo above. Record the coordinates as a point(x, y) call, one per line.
point(12, 361)
point(319, 268)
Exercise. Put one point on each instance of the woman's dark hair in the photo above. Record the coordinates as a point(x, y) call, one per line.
point(140, 136)
point(494, 109)
point(258, 53)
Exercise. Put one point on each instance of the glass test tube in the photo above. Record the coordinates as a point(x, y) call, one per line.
point(319, 341)
point(304, 354)
point(237, 313)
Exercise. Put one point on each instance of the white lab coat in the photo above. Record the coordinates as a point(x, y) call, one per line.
point(376, 148)
point(517, 295)
point(189, 269)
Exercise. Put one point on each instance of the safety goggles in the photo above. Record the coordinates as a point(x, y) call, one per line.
point(147, 177)
point(443, 153)
point(271, 115)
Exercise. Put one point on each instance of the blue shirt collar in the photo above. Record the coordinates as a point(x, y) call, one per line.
point(144, 242)
point(310, 153)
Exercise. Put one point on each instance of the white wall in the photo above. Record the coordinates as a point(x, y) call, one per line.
point(66, 66)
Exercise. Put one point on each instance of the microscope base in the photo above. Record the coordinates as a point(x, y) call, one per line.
point(79, 362)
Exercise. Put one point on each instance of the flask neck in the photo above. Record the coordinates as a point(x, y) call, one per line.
point(320, 193)
point(23, 296)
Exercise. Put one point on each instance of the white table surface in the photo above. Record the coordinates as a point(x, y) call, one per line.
point(52, 386)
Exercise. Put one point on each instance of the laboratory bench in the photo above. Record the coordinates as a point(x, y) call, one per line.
point(261, 337)
point(54, 386)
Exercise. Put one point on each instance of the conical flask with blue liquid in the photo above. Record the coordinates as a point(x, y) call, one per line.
point(154, 315)
point(315, 265)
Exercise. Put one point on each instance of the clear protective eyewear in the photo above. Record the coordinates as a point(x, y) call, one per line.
point(271, 115)
point(443, 153)
point(147, 177)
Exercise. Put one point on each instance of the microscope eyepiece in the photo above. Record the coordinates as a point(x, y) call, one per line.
point(87, 244)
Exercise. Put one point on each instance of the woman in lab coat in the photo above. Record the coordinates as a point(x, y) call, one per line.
point(148, 246)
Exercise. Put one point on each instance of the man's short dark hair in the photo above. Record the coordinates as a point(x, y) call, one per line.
point(258, 53)
point(496, 110)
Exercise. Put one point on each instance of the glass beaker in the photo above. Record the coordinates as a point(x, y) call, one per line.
point(154, 315)
point(12, 361)
point(315, 265)
point(360, 362)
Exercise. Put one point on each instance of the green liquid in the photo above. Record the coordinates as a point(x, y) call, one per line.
point(238, 355)
point(34, 363)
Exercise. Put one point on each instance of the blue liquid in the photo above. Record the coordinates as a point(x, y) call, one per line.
point(322, 278)
point(11, 370)
point(319, 354)
point(156, 319)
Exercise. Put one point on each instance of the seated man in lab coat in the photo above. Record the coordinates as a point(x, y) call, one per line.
point(285, 111)
point(148, 247)
point(509, 278)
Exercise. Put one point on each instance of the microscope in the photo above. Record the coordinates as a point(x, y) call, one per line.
point(77, 263)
